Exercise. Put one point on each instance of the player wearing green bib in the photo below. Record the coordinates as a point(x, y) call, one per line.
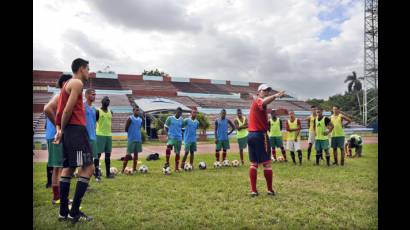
point(293, 126)
point(275, 135)
point(322, 138)
point(241, 125)
point(310, 120)
point(354, 141)
point(104, 135)
point(338, 134)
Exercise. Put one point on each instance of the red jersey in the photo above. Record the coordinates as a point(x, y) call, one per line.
point(258, 117)
point(78, 115)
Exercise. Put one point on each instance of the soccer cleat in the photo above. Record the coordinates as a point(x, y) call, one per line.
point(166, 165)
point(111, 176)
point(271, 193)
point(79, 217)
point(48, 185)
point(253, 194)
point(61, 218)
point(335, 163)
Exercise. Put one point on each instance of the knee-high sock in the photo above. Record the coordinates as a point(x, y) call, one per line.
point(253, 173)
point(327, 157)
point(135, 161)
point(300, 156)
point(318, 156)
point(56, 192)
point(223, 155)
point(176, 161)
point(82, 184)
point(283, 152)
point(292, 154)
point(96, 165)
point(191, 158)
point(107, 163)
point(335, 155)
point(274, 153)
point(125, 162)
point(267, 171)
point(309, 150)
point(49, 174)
point(217, 155)
point(241, 155)
point(342, 156)
point(167, 155)
point(184, 160)
point(64, 191)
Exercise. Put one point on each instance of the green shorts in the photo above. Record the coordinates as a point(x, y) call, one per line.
point(190, 147)
point(338, 142)
point(222, 144)
point(93, 144)
point(243, 142)
point(134, 147)
point(276, 142)
point(321, 145)
point(104, 144)
point(176, 145)
point(55, 154)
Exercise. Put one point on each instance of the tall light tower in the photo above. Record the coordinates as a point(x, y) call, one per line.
point(370, 79)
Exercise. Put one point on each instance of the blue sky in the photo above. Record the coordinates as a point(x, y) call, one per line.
point(335, 14)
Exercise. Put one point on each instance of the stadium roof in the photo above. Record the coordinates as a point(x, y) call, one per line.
point(156, 105)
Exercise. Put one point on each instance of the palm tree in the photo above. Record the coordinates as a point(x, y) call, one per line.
point(354, 86)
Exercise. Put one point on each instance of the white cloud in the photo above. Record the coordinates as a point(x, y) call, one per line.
point(271, 41)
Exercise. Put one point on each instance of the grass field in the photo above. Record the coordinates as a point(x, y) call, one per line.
point(308, 197)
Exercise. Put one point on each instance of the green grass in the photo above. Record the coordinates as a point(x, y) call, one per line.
point(309, 197)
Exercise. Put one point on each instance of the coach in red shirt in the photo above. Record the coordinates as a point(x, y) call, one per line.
point(258, 140)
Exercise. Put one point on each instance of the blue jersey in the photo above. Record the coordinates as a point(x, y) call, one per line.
point(174, 126)
point(91, 120)
point(190, 130)
point(222, 131)
point(50, 130)
point(134, 130)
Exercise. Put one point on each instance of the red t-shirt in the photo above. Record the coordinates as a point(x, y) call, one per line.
point(78, 115)
point(258, 117)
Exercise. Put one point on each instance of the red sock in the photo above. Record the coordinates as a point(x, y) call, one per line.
point(176, 161)
point(217, 156)
point(253, 172)
point(283, 153)
point(274, 153)
point(223, 155)
point(268, 176)
point(56, 194)
point(167, 154)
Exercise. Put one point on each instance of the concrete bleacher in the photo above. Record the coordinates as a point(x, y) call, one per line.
point(187, 101)
point(104, 83)
point(150, 88)
point(223, 102)
point(191, 87)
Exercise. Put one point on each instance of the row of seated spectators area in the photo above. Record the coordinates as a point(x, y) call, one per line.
point(139, 87)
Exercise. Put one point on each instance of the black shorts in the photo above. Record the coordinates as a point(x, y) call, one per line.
point(259, 147)
point(76, 147)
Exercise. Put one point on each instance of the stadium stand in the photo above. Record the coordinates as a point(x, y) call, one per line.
point(104, 83)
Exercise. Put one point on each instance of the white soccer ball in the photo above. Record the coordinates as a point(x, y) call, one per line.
point(217, 164)
point(202, 165)
point(143, 169)
point(188, 167)
point(226, 163)
point(166, 170)
point(113, 170)
point(280, 158)
point(128, 171)
point(235, 163)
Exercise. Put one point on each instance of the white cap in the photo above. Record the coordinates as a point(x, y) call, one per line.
point(264, 87)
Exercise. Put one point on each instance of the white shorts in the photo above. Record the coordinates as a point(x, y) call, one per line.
point(312, 137)
point(292, 146)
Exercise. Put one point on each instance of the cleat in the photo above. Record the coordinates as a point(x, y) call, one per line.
point(79, 217)
point(254, 194)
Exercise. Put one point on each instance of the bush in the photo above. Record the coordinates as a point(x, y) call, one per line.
point(144, 135)
point(203, 122)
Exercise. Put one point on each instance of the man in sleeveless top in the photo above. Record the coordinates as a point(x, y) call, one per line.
point(293, 126)
point(275, 135)
point(338, 134)
point(241, 125)
point(222, 135)
point(71, 131)
point(104, 135)
point(134, 146)
point(91, 124)
point(322, 135)
point(173, 128)
point(190, 125)
point(311, 139)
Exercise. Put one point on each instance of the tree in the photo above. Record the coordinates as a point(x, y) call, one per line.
point(203, 122)
point(354, 86)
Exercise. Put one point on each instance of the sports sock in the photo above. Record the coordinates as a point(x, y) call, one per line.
point(223, 155)
point(82, 184)
point(167, 155)
point(56, 194)
point(217, 155)
point(49, 174)
point(267, 171)
point(300, 156)
point(292, 154)
point(253, 176)
point(64, 191)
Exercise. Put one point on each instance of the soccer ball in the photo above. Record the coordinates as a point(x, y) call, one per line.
point(166, 170)
point(226, 163)
point(235, 163)
point(217, 164)
point(113, 170)
point(281, 159)
point(202, 165)
point(143, 169)
point(128, 171)
point(273, 159)
point(188, 167)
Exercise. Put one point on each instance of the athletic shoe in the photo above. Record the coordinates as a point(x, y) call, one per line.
point(111, 176)
point(61, 218)
point(79, 217)
point(253, 194)
point(335, 163)
point(271, 193)
point(178, 170)
point(166, 165)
